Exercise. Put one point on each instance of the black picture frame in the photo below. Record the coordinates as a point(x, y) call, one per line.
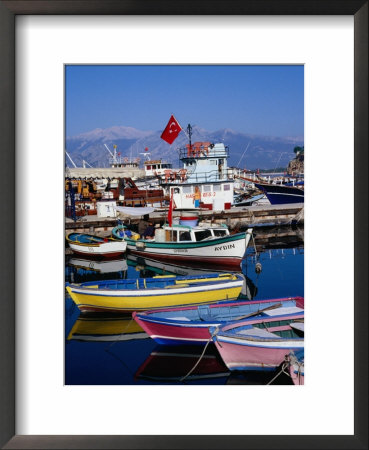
point(8, 12)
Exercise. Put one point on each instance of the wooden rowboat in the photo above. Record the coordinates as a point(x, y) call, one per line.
point(95, 247)
point(262, 346)
point(190, 325)
point(152, 293)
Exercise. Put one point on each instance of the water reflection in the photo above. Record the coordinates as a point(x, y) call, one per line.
point(174, 364)
point(105, 328)
point(150, 267)
point(78, 270)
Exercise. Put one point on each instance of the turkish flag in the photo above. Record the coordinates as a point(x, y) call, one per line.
point(171, 131)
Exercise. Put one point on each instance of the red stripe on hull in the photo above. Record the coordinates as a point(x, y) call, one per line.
point(192, 260)
point(95, 256)
point(186, 334)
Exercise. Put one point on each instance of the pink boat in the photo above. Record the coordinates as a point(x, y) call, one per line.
point(190, 325)
point(296, 367)
point(263, 345)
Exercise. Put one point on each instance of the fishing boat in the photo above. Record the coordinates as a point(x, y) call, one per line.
point(90, 246)
point(153, 293)
point(205, 172)
point(279, 194)
point(190, 325)
point(121, 232)
point(245, 200)
point(210, 244)
point(262, 345)
point(295, 362)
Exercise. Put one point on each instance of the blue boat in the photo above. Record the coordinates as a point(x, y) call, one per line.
point(280, 194)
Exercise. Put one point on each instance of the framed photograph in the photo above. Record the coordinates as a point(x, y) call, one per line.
point(56, 57)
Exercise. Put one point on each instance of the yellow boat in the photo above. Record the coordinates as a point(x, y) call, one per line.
point(152, 293)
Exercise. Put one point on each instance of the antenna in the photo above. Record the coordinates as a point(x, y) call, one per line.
point(189, 133)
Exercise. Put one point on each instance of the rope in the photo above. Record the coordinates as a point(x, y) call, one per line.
point(284, 366)
point(202, 354)
point(197, 363)
point(253, 240)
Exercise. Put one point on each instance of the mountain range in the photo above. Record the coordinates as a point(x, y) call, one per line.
point(245, 150)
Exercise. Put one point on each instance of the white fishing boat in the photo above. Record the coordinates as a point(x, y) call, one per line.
point(157, 168)
point(210, 244)
point(205, 170)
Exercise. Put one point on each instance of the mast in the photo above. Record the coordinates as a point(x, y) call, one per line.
point(189, 133)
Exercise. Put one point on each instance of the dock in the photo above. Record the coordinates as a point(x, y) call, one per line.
point(235, 218)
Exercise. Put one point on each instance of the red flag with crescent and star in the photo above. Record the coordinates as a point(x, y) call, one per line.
point(171, 131)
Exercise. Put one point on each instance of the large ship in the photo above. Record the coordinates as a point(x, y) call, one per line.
point(204, 167)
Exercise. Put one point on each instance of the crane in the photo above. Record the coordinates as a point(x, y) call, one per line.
point(114, 160)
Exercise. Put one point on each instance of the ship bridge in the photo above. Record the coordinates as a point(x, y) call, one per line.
point(204, 162)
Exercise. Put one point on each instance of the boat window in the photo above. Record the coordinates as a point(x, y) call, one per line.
point(201, 235)
point(171, 235)
point(206, 188)
point(184, 236)
point(216, 187)
point(226, 187)
point(187, 189)
point(212, 162)
point(148, 167)
point(154, 166)
point(220, 232)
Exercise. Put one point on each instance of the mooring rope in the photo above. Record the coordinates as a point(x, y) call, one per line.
point(201, 356)
point(197, 363)
point(284, 366)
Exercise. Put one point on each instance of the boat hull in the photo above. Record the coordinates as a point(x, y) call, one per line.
point(174, 331)
point(227, 251)
point(249, 353)
point(92, 247)
point(252, 357)
point(280, 195)
point(296, 367)
point(91, 298)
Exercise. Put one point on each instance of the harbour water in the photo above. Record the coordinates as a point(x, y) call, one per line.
point(113, 350)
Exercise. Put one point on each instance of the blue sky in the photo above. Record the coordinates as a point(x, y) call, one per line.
point(262, 100)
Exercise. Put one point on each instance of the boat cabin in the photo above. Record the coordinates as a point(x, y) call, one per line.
point(204, 166)
point(157, 167)
point(183, 233)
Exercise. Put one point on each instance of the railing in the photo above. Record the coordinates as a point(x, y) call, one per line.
point(198, 177)
point(203, 153)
